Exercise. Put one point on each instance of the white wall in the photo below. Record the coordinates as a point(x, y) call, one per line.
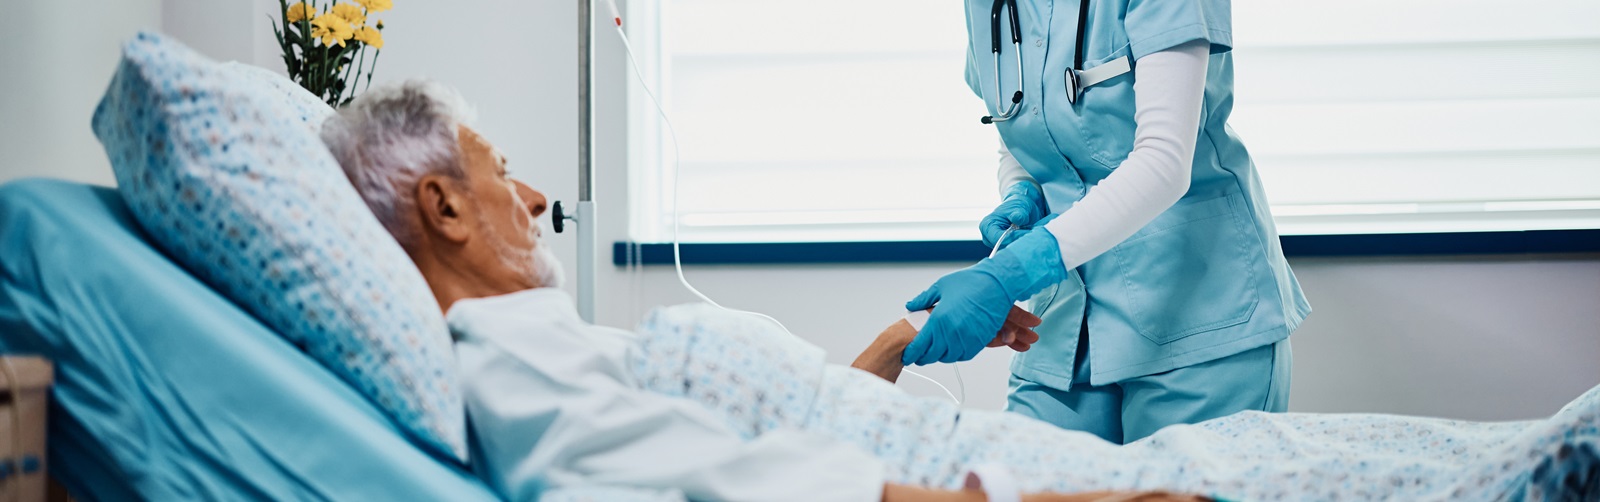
point(1481, 338)
point(55, 61)
point(232, 30)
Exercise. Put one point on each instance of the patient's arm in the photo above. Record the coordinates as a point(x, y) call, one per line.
point(882, 358)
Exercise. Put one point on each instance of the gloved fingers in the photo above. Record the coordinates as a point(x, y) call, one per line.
point(995, 224)
point(1023, 229)
point(924, 300)
point(962, 350)
point(1020, 216)
point(935, 342)
point(1012, 237)
point(991, 230)
point(935, 351)
point(951, 356)
point(916, 349)
point(1022, 317)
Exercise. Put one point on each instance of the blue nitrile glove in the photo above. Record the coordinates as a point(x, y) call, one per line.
point(1023, 205)
point(1018, 233)
point(973, 302)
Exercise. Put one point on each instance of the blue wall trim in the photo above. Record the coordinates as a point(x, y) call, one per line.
point(1466, 243)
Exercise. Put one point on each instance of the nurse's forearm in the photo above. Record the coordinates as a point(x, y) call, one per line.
point(882, 358)
point(1169, 91)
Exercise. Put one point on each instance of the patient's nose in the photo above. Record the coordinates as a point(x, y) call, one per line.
point(535, 200)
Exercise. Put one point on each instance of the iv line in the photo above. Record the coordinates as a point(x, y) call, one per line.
point(677, 257)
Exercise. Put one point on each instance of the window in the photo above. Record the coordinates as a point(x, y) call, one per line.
point(830, 120)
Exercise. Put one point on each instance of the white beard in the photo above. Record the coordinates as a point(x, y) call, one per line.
point(538, 266)
point(548, 268)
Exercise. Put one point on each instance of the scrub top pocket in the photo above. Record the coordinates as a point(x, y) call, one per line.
point(1199, 255)
point(1107, 111)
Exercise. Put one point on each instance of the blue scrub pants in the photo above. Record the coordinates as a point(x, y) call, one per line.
point(1129, 410)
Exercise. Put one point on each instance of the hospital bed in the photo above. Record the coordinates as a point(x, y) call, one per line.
point(166, 390)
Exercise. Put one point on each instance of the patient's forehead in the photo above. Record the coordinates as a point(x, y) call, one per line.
point(477, 149)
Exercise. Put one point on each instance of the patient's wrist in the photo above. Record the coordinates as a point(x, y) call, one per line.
point(882, 358)
point(896, 338)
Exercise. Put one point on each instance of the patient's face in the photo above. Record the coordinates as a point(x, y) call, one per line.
point(507, 217)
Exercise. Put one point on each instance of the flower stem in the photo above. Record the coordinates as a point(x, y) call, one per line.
point(375, 54)
point(306, 45)
point(361, 63)
point(339, 98)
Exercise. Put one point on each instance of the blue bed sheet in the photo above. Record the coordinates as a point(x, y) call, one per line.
point(165, 390)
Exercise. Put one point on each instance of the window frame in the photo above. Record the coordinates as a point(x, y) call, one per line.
point(647, 180)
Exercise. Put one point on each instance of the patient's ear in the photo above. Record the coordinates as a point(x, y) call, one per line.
point(442, 208)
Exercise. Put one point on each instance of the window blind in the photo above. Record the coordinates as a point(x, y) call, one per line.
point(830, 120)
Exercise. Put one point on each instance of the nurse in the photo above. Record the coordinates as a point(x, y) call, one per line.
point(1140, 231)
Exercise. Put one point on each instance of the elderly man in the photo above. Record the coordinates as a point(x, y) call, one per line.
point(724, 407)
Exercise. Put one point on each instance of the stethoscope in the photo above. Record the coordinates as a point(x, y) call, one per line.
point(1016, 49)
point(1077, 78)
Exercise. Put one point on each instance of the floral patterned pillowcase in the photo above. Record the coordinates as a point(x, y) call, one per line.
point(228, 176)
point(291, 96)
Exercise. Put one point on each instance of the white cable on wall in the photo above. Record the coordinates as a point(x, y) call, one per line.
point(677, 256)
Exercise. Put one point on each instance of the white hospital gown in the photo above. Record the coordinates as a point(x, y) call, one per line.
point(557, 415)
point(761, 380)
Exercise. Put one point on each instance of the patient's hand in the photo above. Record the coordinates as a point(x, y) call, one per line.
point(1017, 332)
point(882, 358)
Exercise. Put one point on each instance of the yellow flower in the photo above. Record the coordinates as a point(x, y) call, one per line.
point(376, 6)
point(299, 12)
point(369, 36)
point(331, 29)
point(350, 13)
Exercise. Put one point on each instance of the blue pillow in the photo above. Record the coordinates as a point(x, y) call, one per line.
point(238, 188)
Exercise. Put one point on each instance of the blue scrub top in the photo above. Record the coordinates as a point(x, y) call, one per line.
point(1207, 278)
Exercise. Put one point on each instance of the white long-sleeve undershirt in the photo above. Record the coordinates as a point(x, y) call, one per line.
point(1168, 87)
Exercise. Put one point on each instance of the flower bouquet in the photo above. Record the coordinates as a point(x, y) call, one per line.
point(325, 48)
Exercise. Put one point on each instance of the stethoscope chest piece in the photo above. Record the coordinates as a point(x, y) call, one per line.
point(1077, 78)
point(1072, 86)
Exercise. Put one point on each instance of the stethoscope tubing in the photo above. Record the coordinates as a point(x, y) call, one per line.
point(1016, 53)
point(1073, 84)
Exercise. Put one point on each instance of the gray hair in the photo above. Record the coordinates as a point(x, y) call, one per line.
point(390, 137)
